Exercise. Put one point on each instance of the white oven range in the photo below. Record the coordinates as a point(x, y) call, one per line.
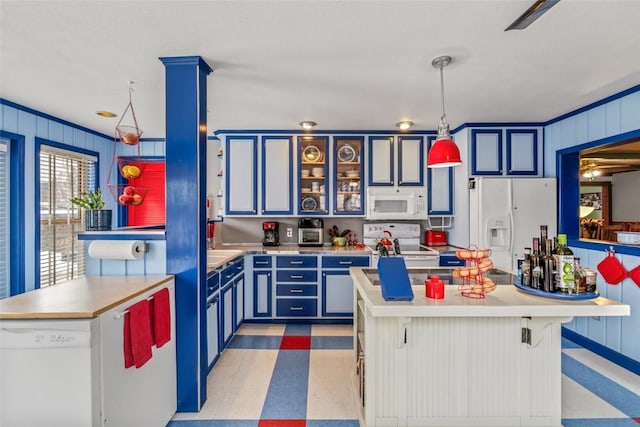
point(408, 237)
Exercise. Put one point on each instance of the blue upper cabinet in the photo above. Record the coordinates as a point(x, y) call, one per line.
point(314, 168)
point(522, 152)
point(411, 164)
point(381, 160)
point(277, 175)
point(241, 175)
point(348, 181)
point(486, 152)
point(439, 188)
point(400, 164)
point(489, 157)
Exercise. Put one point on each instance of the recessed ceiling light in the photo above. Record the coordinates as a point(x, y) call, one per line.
point(404, 125)
point(307, 124)
point(102, 113)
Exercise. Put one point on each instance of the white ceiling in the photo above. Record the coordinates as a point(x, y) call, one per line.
point(344, 64)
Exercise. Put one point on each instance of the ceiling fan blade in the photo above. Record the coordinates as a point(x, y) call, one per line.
point(534, 12)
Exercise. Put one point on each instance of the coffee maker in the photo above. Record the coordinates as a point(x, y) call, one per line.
point(271, 237)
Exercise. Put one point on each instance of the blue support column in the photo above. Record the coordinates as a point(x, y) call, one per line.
point(186, 154)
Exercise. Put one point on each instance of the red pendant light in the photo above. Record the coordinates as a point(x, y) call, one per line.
point(444, 152)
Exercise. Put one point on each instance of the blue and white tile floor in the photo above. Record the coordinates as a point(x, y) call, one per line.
point(301, 376)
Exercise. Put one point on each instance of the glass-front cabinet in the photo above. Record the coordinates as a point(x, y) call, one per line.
point(313, 172)
point(348, 173)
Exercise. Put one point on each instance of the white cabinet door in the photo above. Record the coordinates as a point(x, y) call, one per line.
point(239, 286)
point(241, 185)
point(277, 176)
point(381, 160)
point(411, 164)
point(337, 293)
point(486, 152)
point(213, 346)
point(522, 152)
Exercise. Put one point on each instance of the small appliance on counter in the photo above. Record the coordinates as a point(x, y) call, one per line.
point(310, 232)
point(271, 236)
point(435, 238)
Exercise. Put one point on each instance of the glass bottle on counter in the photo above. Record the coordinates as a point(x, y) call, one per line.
point(565, 274)
point(549, 264)
point(543, 238)
point(526, 267)
point(536, 270)
point(579, 279)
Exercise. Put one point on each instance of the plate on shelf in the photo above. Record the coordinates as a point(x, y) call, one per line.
point(346, 153)
point(309, 204)
point(311, 153)
point(306, 190)
point(556, 295)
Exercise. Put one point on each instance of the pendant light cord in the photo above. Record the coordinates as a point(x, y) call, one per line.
point(442, 90)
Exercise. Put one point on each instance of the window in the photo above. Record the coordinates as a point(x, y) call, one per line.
point(64, 175)
point(5, 185)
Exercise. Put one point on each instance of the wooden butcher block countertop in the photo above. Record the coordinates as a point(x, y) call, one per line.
point(81, 298)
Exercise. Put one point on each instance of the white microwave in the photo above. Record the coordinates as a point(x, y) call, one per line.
point(396, 203)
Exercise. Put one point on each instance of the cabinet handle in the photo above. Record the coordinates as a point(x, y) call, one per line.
point(296, 291)
point(345, 262)
point(262, 262)
point(298, 276)
point(296, 308)
point(229, 276)
point(296, 262)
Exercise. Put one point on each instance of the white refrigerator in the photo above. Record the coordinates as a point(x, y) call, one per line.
point(506, 214)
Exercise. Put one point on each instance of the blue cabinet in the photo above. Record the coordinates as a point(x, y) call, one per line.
point(297, 286)
point(337, 285)
point(277, 176)
point(348, 175)
point(313, 172)
point(262, 283)
point(241, 175)
point(488, 154)
point(439, 188)
point(400, 163)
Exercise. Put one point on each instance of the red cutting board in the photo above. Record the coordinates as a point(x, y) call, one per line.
point(611, 269)
point(635, 275)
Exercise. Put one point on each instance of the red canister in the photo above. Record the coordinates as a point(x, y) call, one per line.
point(434, 287)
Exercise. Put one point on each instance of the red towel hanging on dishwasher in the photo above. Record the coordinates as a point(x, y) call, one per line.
point(161, 317)
point(137, 334)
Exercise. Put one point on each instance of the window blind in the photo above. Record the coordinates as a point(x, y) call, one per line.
point(5, 185)
point(63, 176)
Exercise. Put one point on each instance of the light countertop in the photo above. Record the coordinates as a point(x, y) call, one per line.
point(81, 298)
point(504, 301)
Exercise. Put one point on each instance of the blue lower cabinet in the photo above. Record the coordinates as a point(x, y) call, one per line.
point(450, 261)
point(302, 261)
point(297, 290)
point(238, 296)
point(213, 341)
point(262, 282)
point(297, 276)
point(337, 294)
point(296, 307)
point(227, 312)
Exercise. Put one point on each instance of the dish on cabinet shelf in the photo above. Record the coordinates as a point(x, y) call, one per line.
point(352, 174)
point(309, 204)
point(306, 190)
point(311, 153)
point(346, 153)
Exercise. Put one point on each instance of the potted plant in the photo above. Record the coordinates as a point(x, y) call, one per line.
point(95, 217)
point(338, 238)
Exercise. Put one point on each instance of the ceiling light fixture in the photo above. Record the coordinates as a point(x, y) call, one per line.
point(534, 12)
point(444, 152)
point(103, 113)
point(404, 124)
point(307, 124)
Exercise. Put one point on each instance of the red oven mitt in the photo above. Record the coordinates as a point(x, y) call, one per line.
point(611, 269)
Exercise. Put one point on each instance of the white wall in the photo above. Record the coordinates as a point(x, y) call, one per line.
point(626, 196)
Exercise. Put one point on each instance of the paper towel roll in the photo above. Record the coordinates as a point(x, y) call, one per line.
point(117, 249)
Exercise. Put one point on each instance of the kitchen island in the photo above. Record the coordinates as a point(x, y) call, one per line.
point(461, 361)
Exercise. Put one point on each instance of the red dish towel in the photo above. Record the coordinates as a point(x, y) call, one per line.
point(161, 317)
point(137, 334)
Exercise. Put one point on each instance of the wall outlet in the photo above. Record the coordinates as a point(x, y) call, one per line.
point(289, 232)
